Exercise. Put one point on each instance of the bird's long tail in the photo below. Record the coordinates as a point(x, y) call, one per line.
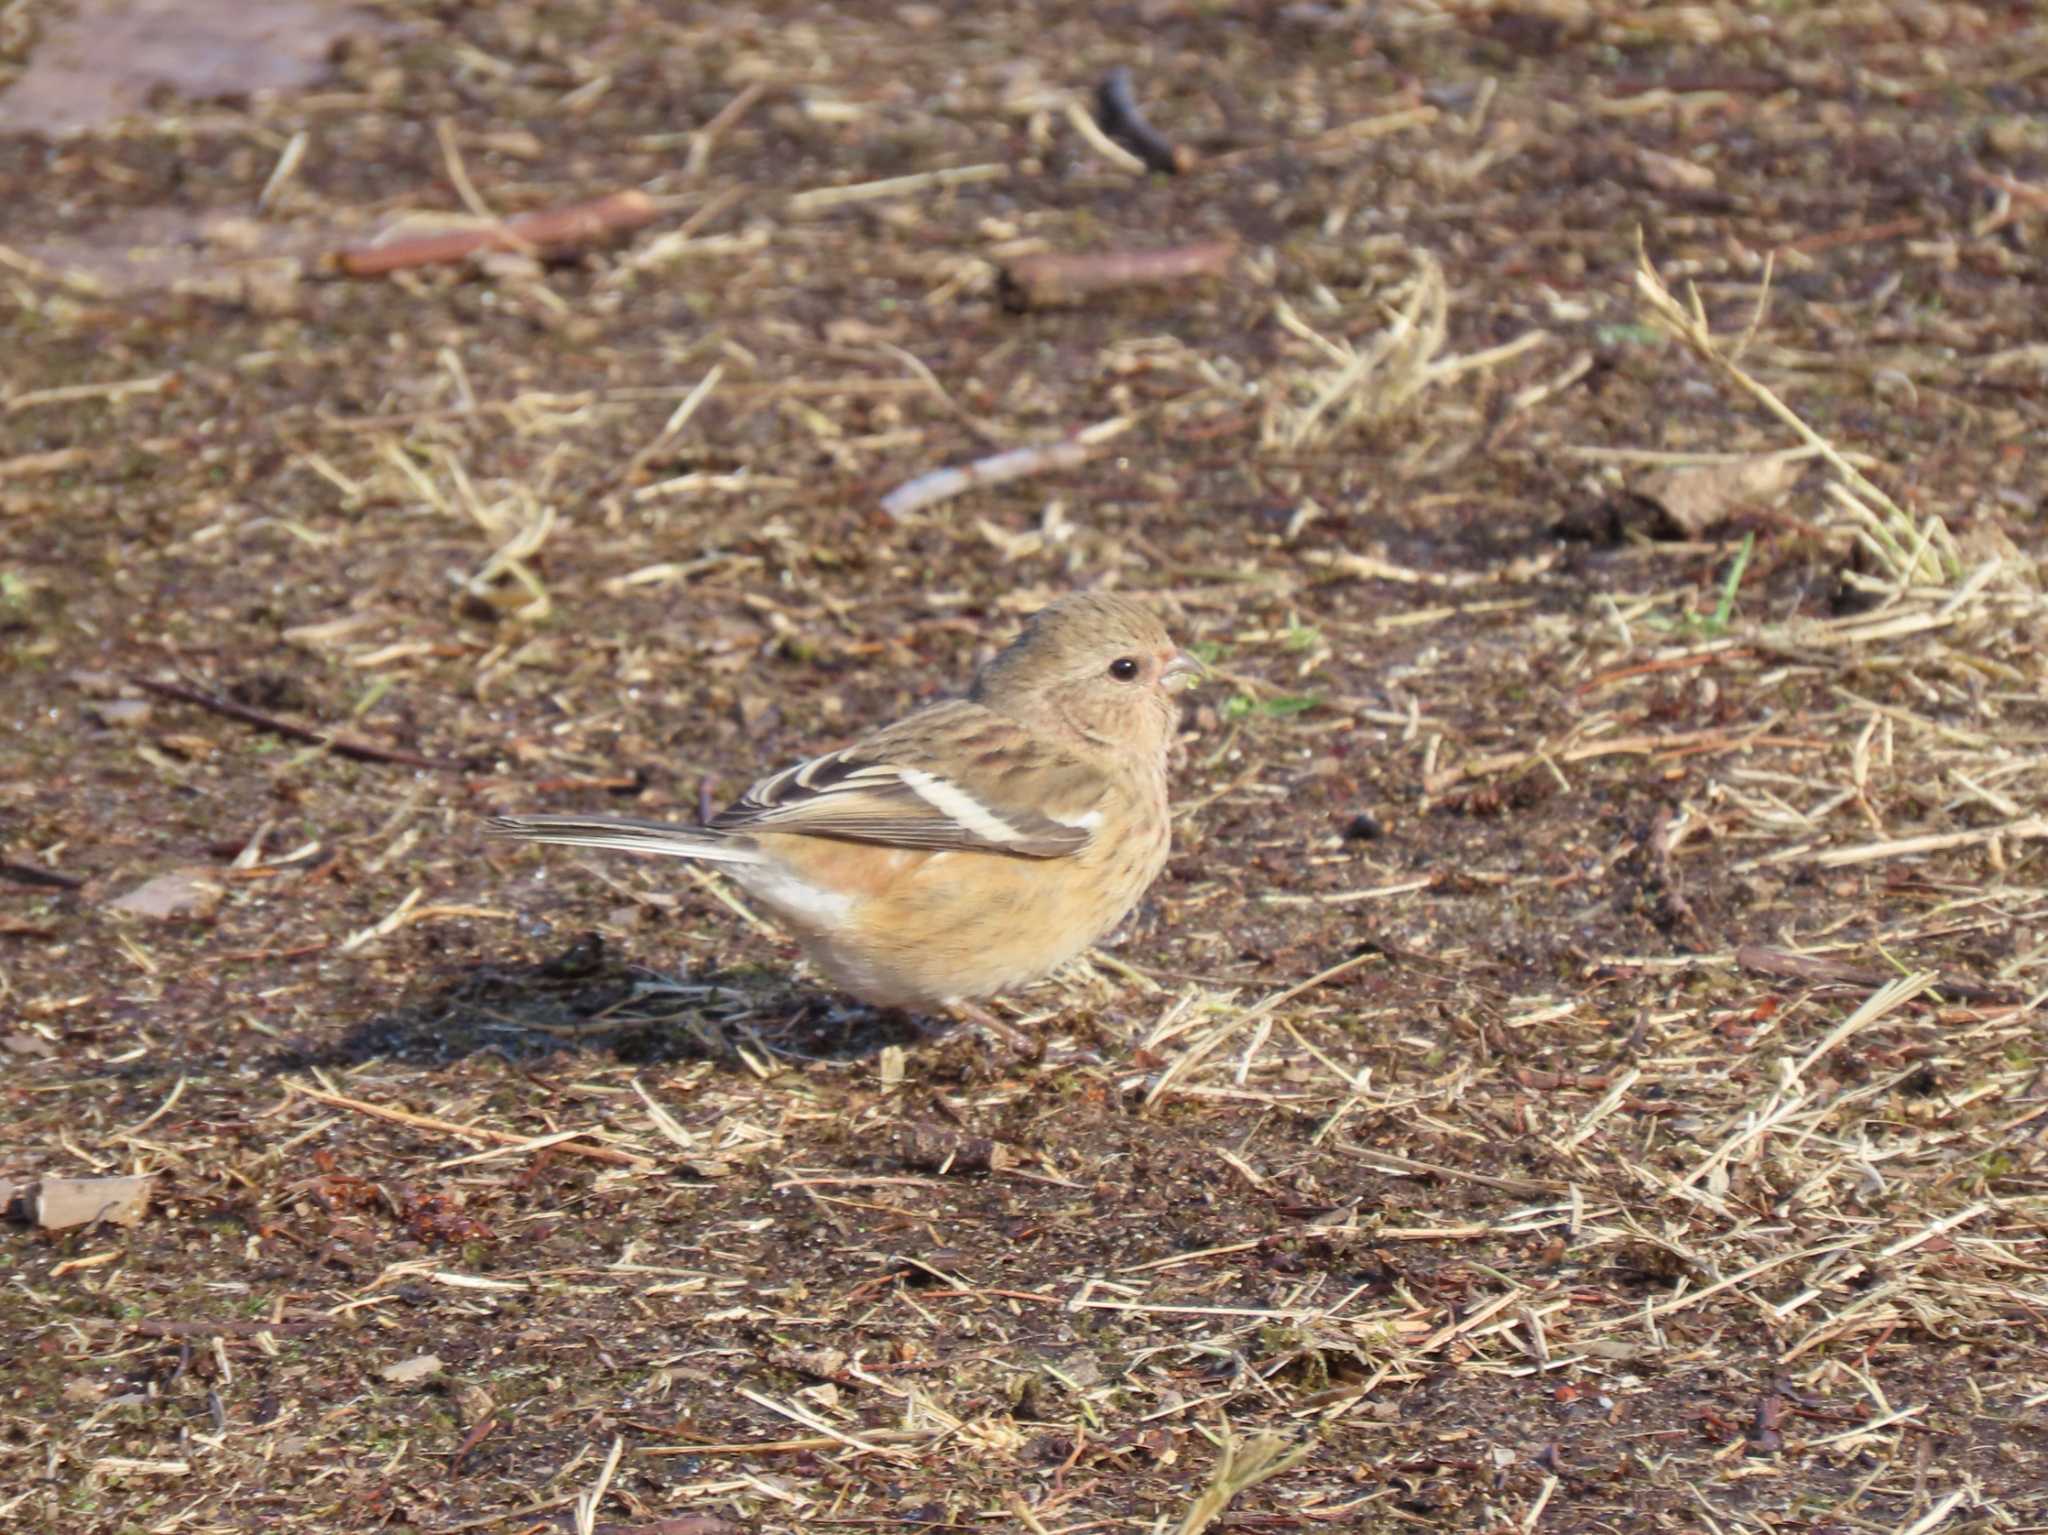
point(627, 836)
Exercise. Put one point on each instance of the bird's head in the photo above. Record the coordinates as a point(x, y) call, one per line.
point(1095, 665)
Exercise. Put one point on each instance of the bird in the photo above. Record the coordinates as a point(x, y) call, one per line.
point(976, 844)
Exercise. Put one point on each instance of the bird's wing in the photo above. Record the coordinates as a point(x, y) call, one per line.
point(954, 775)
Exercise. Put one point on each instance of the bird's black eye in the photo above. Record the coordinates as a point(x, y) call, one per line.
point(1123, 668)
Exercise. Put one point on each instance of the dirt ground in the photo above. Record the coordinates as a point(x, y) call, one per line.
point(1583, 1068)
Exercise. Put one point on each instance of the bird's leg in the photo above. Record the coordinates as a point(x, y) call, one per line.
point(991, 1028)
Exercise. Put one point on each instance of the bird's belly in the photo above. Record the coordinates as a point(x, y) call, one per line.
point(990, 923)
point(922, 929)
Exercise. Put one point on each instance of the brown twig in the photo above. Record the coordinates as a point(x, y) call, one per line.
point(547, 230)
point(342, 746)
point(478, 1433)
point(1856, 234)
point(1116, 108)
point(1056, 277)
point(1819, 970)
point(45, 879)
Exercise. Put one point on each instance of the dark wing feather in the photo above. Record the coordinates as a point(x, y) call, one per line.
point(952, 776)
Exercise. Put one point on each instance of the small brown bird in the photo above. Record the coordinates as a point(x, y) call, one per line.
point(972, 846)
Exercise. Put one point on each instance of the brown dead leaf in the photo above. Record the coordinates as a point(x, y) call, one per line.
point(65, 1202)
point(1699, 496)
point(189, 893)
point(408, 1372)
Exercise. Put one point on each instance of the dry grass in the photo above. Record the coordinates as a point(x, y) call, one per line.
point(1584, 1068)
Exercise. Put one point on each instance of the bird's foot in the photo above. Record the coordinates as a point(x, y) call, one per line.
point(1002, 1040)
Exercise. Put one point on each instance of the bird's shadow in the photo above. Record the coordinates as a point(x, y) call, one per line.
point(586, 999)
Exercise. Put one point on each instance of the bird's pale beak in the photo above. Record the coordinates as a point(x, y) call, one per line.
point(1180, 664)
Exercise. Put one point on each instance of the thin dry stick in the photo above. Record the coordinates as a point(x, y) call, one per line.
point(1933, 1229)
point(1819, 970)
point(819, 1425)
point(1042, 458)
point(677, 420)
point(1238, 1469)
point(458, 173)
point(2023, 830)
point(1476, 1319)
point(1688, 742)
point(1049, 278)
point(706, 138)
point(1878, 1005)
point(73, 394)
point(472, 1132)
point(550, 229)
point(1814, 969)
point(1024, 1514)
point(1786, 1102)
point(1192, 1057)
point(1388, 1161)
point(818, 199)
point(352, 747)
point(987, 431)
point(1607, 1105)
point(1535, 1514)
point(1693, 1297)
point(1934, 1515)
point(1690, 326)
point(791, 1446)
point(587, 1504)
point(712, 886)
point(1352, 897)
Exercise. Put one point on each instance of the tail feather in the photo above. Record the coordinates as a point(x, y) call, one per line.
point(626, 835)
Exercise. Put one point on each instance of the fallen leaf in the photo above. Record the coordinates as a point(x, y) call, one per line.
point(180, 893)
point(66, 1202)
point(1697, 496)
point(407, 1371)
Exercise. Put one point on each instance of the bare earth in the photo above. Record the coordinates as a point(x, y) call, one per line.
point(1584, 1066)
